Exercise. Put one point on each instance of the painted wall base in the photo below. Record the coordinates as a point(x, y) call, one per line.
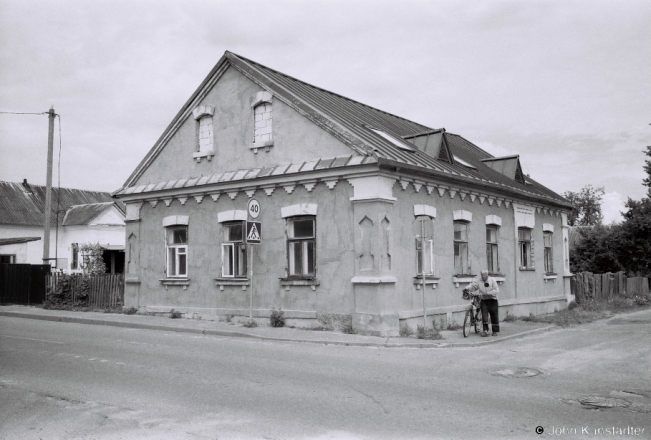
point(376, 325)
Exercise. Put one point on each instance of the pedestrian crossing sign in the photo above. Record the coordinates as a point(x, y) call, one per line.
point(253, 232)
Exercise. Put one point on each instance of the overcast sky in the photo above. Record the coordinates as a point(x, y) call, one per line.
point(565, 84)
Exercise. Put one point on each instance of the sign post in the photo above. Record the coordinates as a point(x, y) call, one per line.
point(252, 237)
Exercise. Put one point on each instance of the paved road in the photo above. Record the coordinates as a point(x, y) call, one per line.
point(61, 380)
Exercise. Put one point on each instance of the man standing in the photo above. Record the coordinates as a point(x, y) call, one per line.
point(488, 290)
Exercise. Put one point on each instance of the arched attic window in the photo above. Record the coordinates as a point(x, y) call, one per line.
point(262, 121)
point(205, 147)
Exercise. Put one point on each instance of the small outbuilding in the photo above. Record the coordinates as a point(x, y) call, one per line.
point(361, 212)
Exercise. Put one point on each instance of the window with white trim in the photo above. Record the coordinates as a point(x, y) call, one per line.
point(549, 254)
point(177, 251)
point(205, 135)
point(492, 254)
point(234, 256)
point(461, 265)
point(301, 247)
point(525, 244)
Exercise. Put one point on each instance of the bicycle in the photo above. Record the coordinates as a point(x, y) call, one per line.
point(474, 317)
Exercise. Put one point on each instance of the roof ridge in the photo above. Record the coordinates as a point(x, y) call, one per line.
point(34, 185)
point(328, 91)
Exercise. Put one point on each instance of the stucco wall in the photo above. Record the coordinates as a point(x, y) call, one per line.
point(335, 255)
point(295, 139)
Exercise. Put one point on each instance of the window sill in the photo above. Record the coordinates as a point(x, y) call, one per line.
point(458, 279)
point(185, 282)
point(227, 281)
point(288, 282)
point(526, 269)
point(387, 279)
point(208, 154)
point(266, 145)
point(429, 279)
point(550, 276)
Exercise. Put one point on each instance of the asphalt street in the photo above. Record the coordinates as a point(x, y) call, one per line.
point(64, 380)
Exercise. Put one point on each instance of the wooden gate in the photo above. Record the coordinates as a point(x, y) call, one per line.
point(23, 283)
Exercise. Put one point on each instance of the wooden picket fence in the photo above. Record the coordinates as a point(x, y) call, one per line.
point(95, 291)
point(602, 287)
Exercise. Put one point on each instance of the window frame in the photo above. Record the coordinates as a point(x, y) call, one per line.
point(465, 268)
point(493, 260)
point(525, 248)
point(268, 109)
point(429, 252)
point(12, 258)
point(238, 252)
point(548, 252)
point(304, 249)
point(180, 250)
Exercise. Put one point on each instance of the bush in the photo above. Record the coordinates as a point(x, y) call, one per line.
point(250, 324)
point(130, 310)
point(428, 333)
point(406, 331)
point(277, 318)
point(229, 318)
point(509, 318)
point(175, 315)
point(573, 305)
point(335, 321)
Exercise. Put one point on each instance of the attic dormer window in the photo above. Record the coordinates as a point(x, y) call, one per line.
point(464, 163)
point(205, 136)
point(395, 141)
point(262, 121)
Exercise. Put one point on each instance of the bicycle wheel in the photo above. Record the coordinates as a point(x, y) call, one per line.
point(467, 323)
point(478, 321)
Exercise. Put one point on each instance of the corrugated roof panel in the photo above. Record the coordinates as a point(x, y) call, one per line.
point(294, 168)
point(266, 171)
point(226, 177)
point(309, 166)
point(252, 174)
point(25, 205)
point(239, 175)
point(215, 178)
point(324, 164)
point(280, 169)
point(340, 161)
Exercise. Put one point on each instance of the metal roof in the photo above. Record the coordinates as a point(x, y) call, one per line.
point(23, 204)
point(250, 174)
point(83, 214)
point(353, 123)
point(17, 240)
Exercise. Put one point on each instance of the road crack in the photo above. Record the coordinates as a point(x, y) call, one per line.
point(372, 399)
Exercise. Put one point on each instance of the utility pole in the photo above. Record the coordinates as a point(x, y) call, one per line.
point(48, 188)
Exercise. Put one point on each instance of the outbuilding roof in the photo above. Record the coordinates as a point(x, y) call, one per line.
point(23, 204)
point(366, 130)
point(84, 214)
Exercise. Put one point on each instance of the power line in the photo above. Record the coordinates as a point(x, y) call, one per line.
point(23, 113)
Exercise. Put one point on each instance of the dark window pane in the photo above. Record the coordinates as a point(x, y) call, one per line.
point(310, 258)
point(303, 228)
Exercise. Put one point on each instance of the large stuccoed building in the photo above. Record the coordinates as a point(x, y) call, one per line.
point(343, 190)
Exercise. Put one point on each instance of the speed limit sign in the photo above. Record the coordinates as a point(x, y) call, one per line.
point(254, 208)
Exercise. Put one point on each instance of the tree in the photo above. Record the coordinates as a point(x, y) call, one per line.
point(587, 206)
point(634, 238)
point(597, 250)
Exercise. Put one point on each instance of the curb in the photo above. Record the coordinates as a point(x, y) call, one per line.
point(135, 325)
